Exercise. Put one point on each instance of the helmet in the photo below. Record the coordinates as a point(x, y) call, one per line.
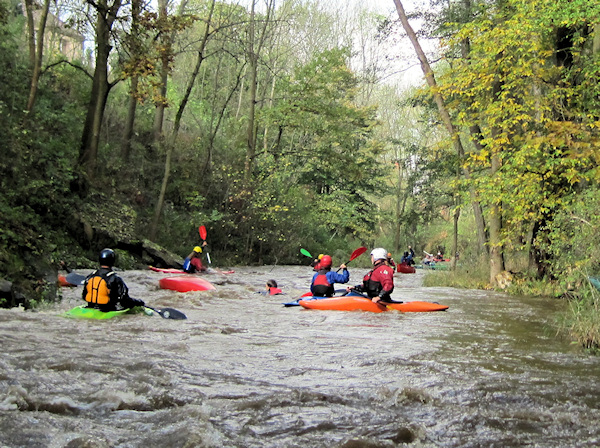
point(198, 249)
point(320, 256)
point(107, 257)
point(379, 254)
point(389, 255)
point(325, 261)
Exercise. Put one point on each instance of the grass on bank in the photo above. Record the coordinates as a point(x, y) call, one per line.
point(475, 276)
point(582, 319)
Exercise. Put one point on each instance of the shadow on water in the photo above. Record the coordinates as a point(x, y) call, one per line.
point(244, 371)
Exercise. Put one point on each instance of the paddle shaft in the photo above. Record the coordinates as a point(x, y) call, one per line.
point(202, 232)
point(358, 252)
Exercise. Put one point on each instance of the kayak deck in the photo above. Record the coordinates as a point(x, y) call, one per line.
point(83, 312)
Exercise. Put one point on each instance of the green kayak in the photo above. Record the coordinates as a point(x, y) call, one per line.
point(83, 312)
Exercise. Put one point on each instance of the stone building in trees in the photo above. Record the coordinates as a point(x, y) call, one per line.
point(59, 38)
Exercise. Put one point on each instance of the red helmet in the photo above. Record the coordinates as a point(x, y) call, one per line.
point(325, 262)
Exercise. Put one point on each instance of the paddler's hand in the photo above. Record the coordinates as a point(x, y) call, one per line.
point(137, 302)
point(342, 266)
point(376, 299)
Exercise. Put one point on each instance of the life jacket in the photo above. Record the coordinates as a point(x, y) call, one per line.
point(97, 290)
point(274, 291)
point(370, 286)
point(321, 286)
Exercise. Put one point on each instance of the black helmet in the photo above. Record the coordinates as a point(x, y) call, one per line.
point(107, 257)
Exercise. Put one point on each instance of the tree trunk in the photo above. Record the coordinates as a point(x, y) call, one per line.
point(88, 153)
point(30, 31)
point(495, 220)
point(399, 211)
point(130, 120)
point(136, 6)
point(456, 216)
point(254, 50)
point(38, 53)
point(253, 64)
point(161, 102)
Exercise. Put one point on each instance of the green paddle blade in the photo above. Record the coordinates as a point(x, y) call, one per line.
point(305, 252)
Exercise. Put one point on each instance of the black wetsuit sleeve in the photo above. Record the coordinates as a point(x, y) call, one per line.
point(119, 293)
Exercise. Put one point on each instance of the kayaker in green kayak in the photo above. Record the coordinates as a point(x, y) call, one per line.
point(105, 290)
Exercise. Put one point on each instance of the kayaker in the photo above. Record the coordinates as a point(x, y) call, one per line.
point(103, 289)
point(404, 259)
point(324, 279)
point(410, 258)
point(390, 261)
point(378, 284)
point(272, 288)
point(315, 263)
point(193, 262)
point(428, 260)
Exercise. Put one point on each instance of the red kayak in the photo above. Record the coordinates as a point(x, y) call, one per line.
point(358, 303)
point(167, 270)
point(185, 283)
point(403, 268)
point(62, 281)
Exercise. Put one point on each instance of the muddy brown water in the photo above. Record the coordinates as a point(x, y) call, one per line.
point(244, 371)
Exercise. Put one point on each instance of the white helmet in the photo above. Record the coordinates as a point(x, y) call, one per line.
point(379, 254)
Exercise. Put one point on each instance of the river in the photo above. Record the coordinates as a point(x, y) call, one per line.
point(244, 371)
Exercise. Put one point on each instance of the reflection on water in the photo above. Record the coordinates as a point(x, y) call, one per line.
point(244, 371)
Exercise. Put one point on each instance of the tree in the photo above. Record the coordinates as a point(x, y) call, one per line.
point(106, 16)
point(526, 87)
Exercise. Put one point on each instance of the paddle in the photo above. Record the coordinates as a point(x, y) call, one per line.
point(202, 232)
point(357, 253)
point(75, 279)
point(306, 253)
point(168, 313)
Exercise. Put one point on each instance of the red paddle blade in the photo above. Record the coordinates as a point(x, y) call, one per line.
point(358, 252)
point(202, 231)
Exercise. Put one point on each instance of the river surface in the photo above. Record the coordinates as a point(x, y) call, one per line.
point(244, 371)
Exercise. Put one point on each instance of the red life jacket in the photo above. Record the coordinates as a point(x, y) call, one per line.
point(321, 286)
point(378, 279)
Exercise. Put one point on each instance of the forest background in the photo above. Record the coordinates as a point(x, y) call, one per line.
point(287, 124)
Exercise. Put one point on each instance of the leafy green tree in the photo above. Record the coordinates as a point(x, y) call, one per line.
point(324, 142)
point(526, 86)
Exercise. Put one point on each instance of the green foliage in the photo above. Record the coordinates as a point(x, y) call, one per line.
point(325, 143)
point(574, 237)
point(582, 322)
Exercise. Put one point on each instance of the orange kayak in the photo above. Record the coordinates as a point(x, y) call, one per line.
point(358, 303)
